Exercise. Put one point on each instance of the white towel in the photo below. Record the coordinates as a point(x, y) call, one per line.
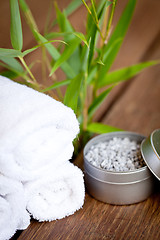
point(36, 131)
point(57, 194)
point(13, 214)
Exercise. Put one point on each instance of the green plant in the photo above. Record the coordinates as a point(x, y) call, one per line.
point(85, 59)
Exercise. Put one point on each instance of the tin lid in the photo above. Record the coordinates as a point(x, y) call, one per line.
point(150, 149)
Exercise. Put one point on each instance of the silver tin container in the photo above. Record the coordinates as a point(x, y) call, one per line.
point(120, 188)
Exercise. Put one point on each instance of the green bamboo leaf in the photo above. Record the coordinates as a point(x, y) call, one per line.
point(52, 35)
point(110, 53)
point(9, 74)
point(92, 40)
point(40, 45)
point(4, 52)
point(108, 3)
point(101, 128)
point(124, 74)
point(99, 61)
point(98, 101)
point(121, 27)
point(12, 72)
point(12, 63)
point(72, 7)
point(93, 30)
point(63, 22)
point(91, 75)
point(112, 47)
point(65, 26)
point(81, 37)
point(29, 50)
point(84, 58)
point(73, 44)
point(23, 5)
point(29, 18)
point(57, 85)
point(56, 55)
point(73, 92)
point(94, 11)
point(16, 28)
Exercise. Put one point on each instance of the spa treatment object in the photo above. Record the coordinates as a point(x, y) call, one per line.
point(120, 166)
point(13, 213)
point(36, 144)
point(36, 131)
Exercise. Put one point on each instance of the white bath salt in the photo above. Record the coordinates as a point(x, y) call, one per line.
point(117, 154)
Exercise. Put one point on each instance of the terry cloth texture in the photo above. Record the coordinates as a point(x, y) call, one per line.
point(36, 144)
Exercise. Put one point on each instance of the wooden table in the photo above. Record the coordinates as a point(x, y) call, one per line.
point(133, 106)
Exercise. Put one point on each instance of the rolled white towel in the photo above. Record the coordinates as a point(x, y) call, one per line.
point(36, 131)
point(57, 195)
point(13, 214)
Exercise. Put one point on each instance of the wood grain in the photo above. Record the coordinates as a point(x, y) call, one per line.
point(134, 107)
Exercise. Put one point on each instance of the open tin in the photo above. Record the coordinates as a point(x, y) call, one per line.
point(122, 188)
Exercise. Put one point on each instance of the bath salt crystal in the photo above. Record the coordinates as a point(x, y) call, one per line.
point(116, 154)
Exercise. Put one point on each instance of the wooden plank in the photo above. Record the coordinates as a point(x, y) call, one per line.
point(137, 109)
point(39, 10)
point(98, 220)
point(139, 38)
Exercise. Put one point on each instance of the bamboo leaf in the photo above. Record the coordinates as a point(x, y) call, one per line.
point(40, 45)
point(94, 11)
point(108, 3)
point(29, 18)
point(73, 6)
point(56, 55)
point(84, 58)
point(98, 101)
point(63, 34)
point(73, 44)
point(91, 75)
point(9, 74)
point(29, 50)
point(65, 26)
point(72, 92)
point(12, 72)
point(12, 63)
point(124, 74)
point(81, 37)
point(52, 35)
point(93, 29)
point(4, 52)
point(16, 28)
point(57, 85)
point(110, 53)
point(100, 62)
point(63, 22)
point(101, 128)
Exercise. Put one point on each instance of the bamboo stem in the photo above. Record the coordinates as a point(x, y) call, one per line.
point(110, 19)
point(85, 104)
point(95, 20)
point(27, 68)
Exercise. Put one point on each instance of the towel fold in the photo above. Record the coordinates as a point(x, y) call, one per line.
point(36, 131)
point(56, 195)
point(13, 214)
point(36, 143)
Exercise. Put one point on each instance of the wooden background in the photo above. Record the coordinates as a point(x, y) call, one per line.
point(133, 106)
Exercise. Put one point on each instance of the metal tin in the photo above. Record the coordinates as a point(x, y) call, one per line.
point(118, 188)
point(150, 149)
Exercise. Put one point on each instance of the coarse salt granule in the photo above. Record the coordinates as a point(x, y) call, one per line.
point(117, 154)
